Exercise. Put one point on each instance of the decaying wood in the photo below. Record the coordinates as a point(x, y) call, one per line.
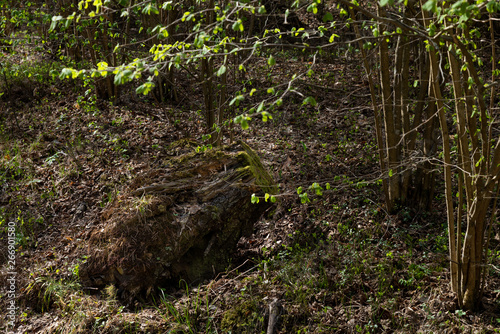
point(183, 224)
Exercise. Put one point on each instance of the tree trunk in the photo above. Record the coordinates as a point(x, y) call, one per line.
point(392, 135)
point(181, 222)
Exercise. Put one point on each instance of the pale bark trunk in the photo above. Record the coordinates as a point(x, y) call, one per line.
point(392, 137)
point(376, 111)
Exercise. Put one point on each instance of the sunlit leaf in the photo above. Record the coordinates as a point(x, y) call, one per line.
point(221, 70)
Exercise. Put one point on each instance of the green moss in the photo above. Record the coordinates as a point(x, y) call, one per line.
point(182, 143)
point(243, 318)
point(214, 154)
point(262, 178)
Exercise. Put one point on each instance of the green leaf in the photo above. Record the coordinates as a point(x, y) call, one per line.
point(252, 91)
point(236, 101)
point(254, 199)
point(145, 88)
point(266, 197)
point(332, 38)
point(304, 198)
point(470, 81)
point(327, 17)
point(55, 19)
point(167, 5)
point(271, 61)
point(317, 188)
point(244, 124)
point(260, 107)
point(390, 172)
point(66, 73)
point(493, 6)
point(273, 199)
point(265, 116)
point(123, 76)
point(430, 6)
point(238, 25)
point(150, 8)
point(432, 29)
point(313, 8)
point(299, 190)
point(310, 100)
point(221, 70)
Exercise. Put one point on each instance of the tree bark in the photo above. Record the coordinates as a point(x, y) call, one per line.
point(181, 222)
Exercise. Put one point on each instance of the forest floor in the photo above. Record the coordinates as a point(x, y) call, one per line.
point(340, 264)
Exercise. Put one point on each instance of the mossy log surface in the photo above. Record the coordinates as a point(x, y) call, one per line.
point(179, 222)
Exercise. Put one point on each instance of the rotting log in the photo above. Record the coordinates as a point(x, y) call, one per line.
point(180, 222)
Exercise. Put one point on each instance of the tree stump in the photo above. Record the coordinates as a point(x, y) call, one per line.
point(180, 222)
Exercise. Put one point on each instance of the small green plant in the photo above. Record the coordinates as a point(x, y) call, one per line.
point(191, 314)
point(51, 291)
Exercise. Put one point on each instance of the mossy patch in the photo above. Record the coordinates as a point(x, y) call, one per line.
point(263, 178)
point(243, 318)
